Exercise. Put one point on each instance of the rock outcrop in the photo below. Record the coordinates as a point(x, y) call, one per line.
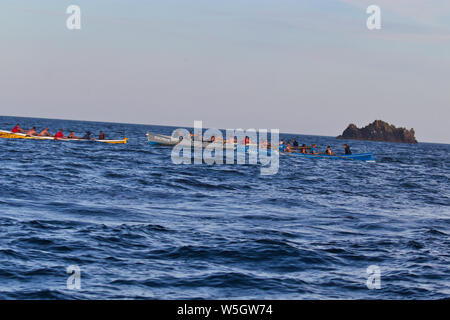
point(379, 131)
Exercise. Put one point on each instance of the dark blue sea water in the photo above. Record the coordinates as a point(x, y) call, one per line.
point(139, 226)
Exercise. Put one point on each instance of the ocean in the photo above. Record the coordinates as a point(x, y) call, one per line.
point(137, 226)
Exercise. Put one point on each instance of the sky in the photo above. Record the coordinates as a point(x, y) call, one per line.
point(301, 66)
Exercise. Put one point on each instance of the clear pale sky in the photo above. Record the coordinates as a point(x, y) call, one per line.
point(303, 66)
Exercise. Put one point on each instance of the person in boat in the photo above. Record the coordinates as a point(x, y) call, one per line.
point(294, 143)
point(45, 133)
point(314, 149)
point(232, 141)
point(329, 151)
point(263, 144)
point(303, 149)
point(32, 132)
point(101, 136)
point(288, 148)
point(72, 135)
point(59, 135)
point(88, 136)
point(247, 140)
point(213, 138)
point(197, 137)
point(347, 149)
point(283, 145)
point(17, 129)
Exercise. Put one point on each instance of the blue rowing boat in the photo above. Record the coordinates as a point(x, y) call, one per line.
point(367, 157)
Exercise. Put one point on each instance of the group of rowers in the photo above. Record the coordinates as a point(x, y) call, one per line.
point(232, 140)
point(286, 146)
point(58, 135)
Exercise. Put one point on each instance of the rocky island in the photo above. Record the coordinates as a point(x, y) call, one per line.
point(379, 131)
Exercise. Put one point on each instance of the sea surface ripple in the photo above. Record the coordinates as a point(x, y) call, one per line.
point(141, 227)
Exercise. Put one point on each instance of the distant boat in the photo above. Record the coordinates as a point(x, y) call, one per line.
point(159, 139)
point(11, 135)
point(163, 140)
point(367, 157)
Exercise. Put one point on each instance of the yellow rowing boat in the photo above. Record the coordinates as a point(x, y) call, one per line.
point(11, 135)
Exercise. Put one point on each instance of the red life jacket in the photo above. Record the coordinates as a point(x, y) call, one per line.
point(15, 129)
point(59, 134)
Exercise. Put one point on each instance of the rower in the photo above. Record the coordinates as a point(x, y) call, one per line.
point(17, 129)
point(263, 144)
point(87, 136)
point(72, 135)
point(329, 151)
point(45, 133)
point(282, 145)
point(32, 132)
point(211, 140)
point(303, 149)
point(295, 143)
point(59, 135)
point(288, 148)
point(101, 136)
point(314, 149)
point(347, 149)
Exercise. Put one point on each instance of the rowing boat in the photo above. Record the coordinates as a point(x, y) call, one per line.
point(367, 157)
point(163, 140)
point(158, 139)
point(11, 135)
